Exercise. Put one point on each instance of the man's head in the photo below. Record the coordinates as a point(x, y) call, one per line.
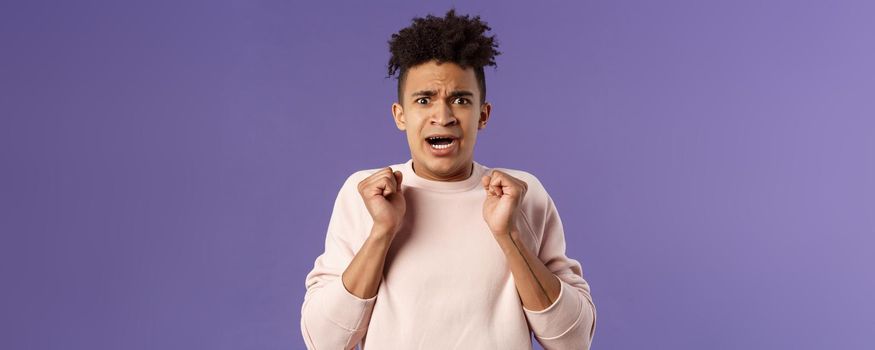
point(442, 91)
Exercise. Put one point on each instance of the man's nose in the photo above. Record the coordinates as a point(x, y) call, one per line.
point(443, 114)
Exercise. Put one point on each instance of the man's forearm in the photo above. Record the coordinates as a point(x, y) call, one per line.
point(365, 272)
point(537, 286)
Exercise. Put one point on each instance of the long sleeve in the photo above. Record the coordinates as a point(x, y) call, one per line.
point(569, 323)
point(332, 317)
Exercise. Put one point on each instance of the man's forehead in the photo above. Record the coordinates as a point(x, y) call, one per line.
point(443, 72)
point(446, 78)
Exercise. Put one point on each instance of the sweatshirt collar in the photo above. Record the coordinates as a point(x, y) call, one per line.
point(413, 180)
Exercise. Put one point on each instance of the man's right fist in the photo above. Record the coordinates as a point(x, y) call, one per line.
point(382, 195)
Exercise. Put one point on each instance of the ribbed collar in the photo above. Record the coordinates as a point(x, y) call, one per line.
point(413, 180)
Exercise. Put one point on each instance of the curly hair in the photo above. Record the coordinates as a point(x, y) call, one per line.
point(457, 39)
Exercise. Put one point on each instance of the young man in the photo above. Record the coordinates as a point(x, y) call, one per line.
point(442, 252)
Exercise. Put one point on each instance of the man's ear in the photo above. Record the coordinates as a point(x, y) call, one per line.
point(398, 114)
point(485, 110)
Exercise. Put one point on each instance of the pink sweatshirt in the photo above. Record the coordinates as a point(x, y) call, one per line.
point(446, 283)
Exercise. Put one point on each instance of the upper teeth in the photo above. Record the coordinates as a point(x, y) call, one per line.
point(452, 141)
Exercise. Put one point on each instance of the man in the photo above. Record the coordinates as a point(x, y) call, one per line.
point(442, 252)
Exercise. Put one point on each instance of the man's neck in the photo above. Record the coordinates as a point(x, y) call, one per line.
point(413, 166)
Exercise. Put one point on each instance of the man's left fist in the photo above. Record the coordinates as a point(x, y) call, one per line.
point(504, 193)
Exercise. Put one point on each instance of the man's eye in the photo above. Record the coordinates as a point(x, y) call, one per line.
point(420, 99)
point(464, 100)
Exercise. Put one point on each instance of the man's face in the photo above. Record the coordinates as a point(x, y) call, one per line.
point(441, 100)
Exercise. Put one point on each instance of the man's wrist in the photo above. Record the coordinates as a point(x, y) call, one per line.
point(509, 241)
point(511, 229)
point(383, 232)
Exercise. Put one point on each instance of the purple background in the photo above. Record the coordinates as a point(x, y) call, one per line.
point(169, 168)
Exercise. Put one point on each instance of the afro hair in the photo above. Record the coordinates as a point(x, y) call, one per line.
point(457, 39)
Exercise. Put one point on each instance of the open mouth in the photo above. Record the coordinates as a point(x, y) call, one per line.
point(442, 145)
point(441, 142)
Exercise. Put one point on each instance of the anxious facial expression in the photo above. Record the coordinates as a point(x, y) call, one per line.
point(441, 99)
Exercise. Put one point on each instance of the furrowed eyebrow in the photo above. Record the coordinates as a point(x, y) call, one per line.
point(456, 93)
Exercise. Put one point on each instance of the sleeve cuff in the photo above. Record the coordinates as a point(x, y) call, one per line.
point(559, 317)
point(345, 309)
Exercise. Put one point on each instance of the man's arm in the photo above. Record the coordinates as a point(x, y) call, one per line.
point(555, 297)
point(365, 272)
point(331, 317)
point(384, 199)
point(561, 315)
point(570, 321)
point(342, 287)
point(336, 314)
point(538, 287)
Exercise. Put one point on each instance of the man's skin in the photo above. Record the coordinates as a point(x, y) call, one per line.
point(450, 105)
